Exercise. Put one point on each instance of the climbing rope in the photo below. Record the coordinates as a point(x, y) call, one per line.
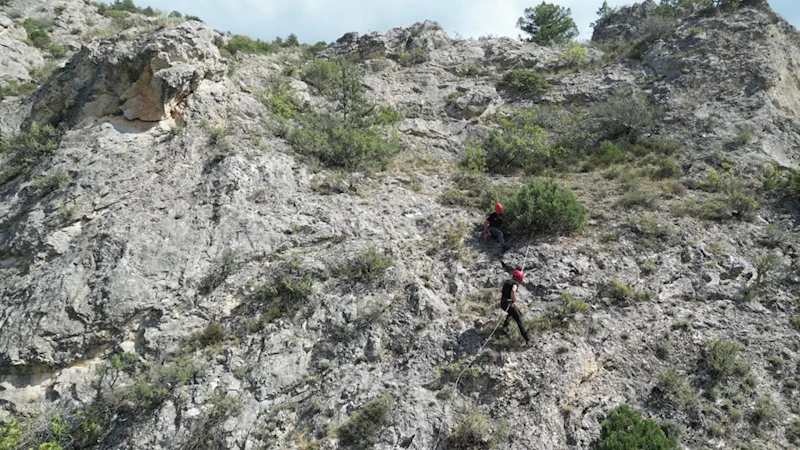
point(458, 378)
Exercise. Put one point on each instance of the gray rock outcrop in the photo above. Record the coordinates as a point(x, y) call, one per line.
point(178, 274)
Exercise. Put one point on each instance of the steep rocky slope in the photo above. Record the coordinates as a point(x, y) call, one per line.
point(141, 257)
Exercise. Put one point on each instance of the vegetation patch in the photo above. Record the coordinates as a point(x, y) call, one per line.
point(624, 428)
point(472, 433)
point(543, 208)
point(525, 83)
point(560, 315)
point(722, 360)
point(353, 137)
point(25, 149)
point(288, 292)
point(362, 428)
point(621, 294)
point(368, 266)
point(672, 391)
point(225, 267)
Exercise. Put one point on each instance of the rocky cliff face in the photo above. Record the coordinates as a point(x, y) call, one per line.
point(173, 274)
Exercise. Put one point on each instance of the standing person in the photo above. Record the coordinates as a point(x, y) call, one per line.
point(507, 304)
point(492, 226)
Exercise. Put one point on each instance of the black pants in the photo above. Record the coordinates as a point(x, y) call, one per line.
point(513, 313)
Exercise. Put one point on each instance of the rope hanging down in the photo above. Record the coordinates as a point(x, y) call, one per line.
point(458, 378)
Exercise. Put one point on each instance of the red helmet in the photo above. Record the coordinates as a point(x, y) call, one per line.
point(498, 208)
point(518, 275)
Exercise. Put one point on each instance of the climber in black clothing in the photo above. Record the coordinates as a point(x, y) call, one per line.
point(492, 224)
point(507, 304)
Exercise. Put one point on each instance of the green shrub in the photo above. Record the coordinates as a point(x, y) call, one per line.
point(722, 359)
point(285, 294)
point(743, 135)
point(362, 428)
point(673, 391)
point(765, 413)
point(574, 55)
point(416, 55)
point(10, 434)
point(126, 6)
point(26, 148)
point(559, 315)
point(524, 82)
point(667, 168)
point(544, 208)
point(792, 432)
point(472, 433)
point(548, 24)
point(620, 293)
point(211, 335)
point(37, 35)
point(337, 143)
point(340, 81)
point(625, 429)
point(795, 322)
point(638, 198)
point(14, 89)
point(52, 182)
point(369, 265)
point(387, 115)
point(608, 154)
point(474, 160)
point(624, 115)
point(244, 44)
point(280, 100)
point(522, 145)
point(453, 97)
point(224, 268)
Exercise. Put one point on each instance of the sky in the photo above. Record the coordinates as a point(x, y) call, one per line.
point(328, 20)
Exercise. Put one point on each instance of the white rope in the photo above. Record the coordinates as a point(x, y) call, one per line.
point(458, 378)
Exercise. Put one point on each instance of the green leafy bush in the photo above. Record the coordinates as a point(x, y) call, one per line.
point(224, 268)
point(369, 265)
point(667, 168)
point(765, 413)
point(474, 160)
point(285, 294)
point(26, 148)
point(608, 154)
point(560, 315)
point(624, 115)
point(520, 146)
point(387, 114)
point(10, 434)
point(13, 89)
point(673, 391)
point(37, 35)
point(472, 433)
point(341, 82)
point(548, 24)
point(127, 6)
point(574, 55)
point(361, 429)
point(722, 359)
point(544, 208)
point(415, 55)
point(280, 100)
point(338, 143)
point(524, 82)
point(211, 335)
point(625, 429)
point(244, 44)
point(621, 294)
